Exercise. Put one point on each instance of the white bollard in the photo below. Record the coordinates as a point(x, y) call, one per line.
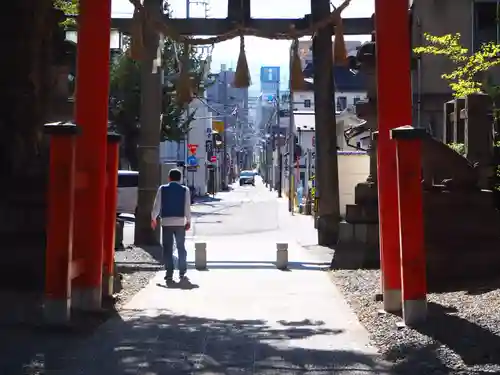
point(200, 256)
point(282, 256)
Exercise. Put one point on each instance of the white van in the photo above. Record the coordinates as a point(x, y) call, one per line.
point(128, 187)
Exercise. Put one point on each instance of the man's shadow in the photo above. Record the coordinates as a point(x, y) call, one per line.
point(183, 284)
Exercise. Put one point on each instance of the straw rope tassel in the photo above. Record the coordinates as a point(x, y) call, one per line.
point(242, 77)
point(183, 88)
point(136, 49)
point(296, 75)
point(339, 48)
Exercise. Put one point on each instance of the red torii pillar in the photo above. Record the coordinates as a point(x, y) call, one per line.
point(91, 115)
point(393, 49)
point(411, 222)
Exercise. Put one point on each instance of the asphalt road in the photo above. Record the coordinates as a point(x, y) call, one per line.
point(244, 210)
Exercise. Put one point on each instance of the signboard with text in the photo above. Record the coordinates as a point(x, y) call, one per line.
point(209, 146)
point(269, 74)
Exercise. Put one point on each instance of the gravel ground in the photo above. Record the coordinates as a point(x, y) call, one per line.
point(136, 267)
point(461, 335)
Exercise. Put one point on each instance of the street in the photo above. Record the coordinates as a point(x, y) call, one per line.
point(242, 315)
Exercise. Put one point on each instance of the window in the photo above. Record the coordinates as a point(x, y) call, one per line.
point(486, 22)
point(307, 103)
point(128, 179)
point(356, 100)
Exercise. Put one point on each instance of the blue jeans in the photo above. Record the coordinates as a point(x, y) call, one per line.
point(168, 235)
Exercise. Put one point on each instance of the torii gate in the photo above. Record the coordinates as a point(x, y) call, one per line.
point(91, 114)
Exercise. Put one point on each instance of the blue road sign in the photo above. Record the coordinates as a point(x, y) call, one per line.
point(192, 161)
point(270, 74)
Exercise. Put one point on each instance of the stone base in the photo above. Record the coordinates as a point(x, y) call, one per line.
point(282, 259)
point(87, 299)
point(414, 311)
point(357, 246)
point(392, 300)
point(200, 256)
point(366, 193)
point(108, 285)
point(57, 311)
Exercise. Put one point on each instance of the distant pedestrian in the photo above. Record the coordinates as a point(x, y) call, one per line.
point(173, 205)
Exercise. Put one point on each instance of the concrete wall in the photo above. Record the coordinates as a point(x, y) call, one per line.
point(354, 168)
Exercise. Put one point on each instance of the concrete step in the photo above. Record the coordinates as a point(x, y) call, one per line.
point(358, 233)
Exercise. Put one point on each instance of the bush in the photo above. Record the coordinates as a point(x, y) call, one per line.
point(459, 148)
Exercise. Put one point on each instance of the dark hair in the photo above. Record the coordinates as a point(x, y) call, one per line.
point(175, 175)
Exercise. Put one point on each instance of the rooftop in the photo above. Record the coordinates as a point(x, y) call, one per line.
point(344, 78)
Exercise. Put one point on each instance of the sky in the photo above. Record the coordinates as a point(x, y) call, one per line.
point(259, 52)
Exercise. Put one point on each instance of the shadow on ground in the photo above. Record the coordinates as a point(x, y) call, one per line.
point(180, 344)
point(124, 267)
point(304, 266)
point(29, 347)
point(475, 345)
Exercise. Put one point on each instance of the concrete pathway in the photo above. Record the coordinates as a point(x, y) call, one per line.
point(242, 316)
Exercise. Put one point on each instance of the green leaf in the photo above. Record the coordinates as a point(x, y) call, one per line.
point(465, 79)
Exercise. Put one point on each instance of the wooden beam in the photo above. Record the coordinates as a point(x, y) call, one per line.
point(217, 26)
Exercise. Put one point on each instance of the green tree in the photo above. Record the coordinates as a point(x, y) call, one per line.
point(125, 98)
point(69, 8)
point(469, 75)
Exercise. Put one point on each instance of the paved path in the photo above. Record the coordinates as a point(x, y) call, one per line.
point(242, 316)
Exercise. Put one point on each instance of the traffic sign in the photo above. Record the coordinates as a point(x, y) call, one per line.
point(192, 161)
point(192, 148)
point(209, 146)
point(213, 159)
point(218, 126)
point(209, 133)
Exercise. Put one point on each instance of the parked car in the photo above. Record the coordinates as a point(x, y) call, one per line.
point(128, 187)
point(247, 178)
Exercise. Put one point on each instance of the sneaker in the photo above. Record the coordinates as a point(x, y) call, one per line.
point(183, 277)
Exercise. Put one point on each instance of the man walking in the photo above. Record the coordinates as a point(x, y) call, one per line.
point(173, 205)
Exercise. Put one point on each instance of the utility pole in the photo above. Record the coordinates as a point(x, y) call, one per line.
point(327, 177)
point(224, 137)
point(291, 138)
point(186, 181)
point(278, 146)
point(149, 139)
